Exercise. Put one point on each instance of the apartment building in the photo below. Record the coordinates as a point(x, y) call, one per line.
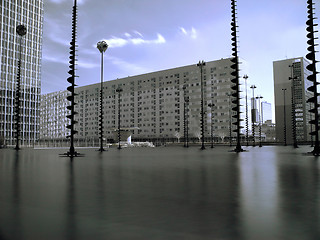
point(53, 120)
point(290, 89)
point(151, 104)
point(30, 14)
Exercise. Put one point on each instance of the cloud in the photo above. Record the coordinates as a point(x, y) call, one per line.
point(115, 42)
point(191, 33)
point(128, 67)
point(87, 65)
point(138, 33)
point(49, 58)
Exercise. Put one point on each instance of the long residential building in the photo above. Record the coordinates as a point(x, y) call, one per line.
point(291, 95)
point(152, 104)
point(30, 14)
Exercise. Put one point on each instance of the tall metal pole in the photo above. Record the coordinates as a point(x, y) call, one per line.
point(235, 73)
point(185, 125)
point(71, 98)
point(211, 105)
point(260, 119)
point(284, 117)
point(21, 30)
point(253, 115)
point(201, 64)
point(293, 109)
point(313, 76)
point(187, 120)
point(102, 46)
point(119, 90)
point(247, 123)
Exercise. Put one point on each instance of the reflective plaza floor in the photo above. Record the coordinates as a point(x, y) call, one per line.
point(160, 193)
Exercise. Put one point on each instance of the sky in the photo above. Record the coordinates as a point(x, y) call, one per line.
point(146, 36)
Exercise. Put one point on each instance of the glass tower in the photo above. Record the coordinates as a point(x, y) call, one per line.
point(30, 14)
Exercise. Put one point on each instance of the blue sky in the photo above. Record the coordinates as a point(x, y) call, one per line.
point(146, 36)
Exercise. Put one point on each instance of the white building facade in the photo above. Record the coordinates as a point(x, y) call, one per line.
point(30, 14)
point(153, 103)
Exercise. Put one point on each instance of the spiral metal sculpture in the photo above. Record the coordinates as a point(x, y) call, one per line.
point(313, 77)
point(21, 30)
point(247, 119)
point(235, 74)
point(17, 106)
point(293, 108)
point(71, 80)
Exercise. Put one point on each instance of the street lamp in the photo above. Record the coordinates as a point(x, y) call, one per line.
point(253, 115)
point(185, 117)
point(119, 90)
point(293, 109)
point(247, 123)
point(260, 119)
point(201, 64)
point(102, 46)
point(211, 105)
point(21, 30)
point(284, 117)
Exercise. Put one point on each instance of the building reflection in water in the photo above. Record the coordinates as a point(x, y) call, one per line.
point(71, 204)
point(172, 193)
point(259, 195)
point(299, 188)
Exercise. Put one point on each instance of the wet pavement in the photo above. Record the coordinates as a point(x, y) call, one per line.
point(160, 193)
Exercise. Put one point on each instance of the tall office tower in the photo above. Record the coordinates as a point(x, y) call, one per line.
point(290, 92)
point(254, 111)
point(266, 111)
point(153, 104)
point(30, 14)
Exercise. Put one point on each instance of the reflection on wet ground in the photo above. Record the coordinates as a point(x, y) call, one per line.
point(160, 193)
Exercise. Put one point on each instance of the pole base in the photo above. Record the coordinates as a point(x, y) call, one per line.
point(238, 149)
point(72, 153)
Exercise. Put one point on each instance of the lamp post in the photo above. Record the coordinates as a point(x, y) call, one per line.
point(119, 90)
point(185, 117)
point(201, 64)
point(284, 117)
point(247, 123)
point(260, 119)
point(21, 30)
point(102, 46)
point(230, 126)
point(253, 115)
point(211, 106)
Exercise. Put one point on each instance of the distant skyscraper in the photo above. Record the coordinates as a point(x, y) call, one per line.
point(266, 111)
point(254, 111)
point(283, 70)
point(30, 14)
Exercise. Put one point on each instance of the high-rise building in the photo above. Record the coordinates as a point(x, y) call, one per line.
point(266, 111)
point(290, 92)
point(152, 104)
point(30, 14)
